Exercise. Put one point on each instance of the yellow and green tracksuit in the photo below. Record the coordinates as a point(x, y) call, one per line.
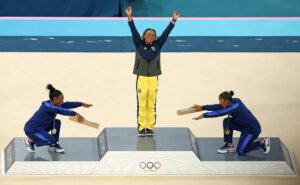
point(146, 100)
point(147, 68)
point(146, 88)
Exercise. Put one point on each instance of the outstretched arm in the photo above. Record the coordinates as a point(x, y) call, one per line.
point(219, 112)
point(66, 112)
point(222, 112)
point(72, 105)
point(213, 107)
point(135, 34)
point(59, 110)
point(163, 38)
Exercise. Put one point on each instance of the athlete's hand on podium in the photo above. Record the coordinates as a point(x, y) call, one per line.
point(87, 105)
point(199, 117)
point(197, 107)
point(79, 117)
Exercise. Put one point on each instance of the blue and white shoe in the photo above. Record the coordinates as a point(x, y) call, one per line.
point(55, 148)
point(226, 149)
point(267, 145)
point(29, 144)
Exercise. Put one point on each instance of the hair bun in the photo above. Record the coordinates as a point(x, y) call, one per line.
point(50, 87)
point(231, 93)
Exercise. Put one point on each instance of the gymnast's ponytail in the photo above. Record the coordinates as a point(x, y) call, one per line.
point(226, 95)
point(54, 93)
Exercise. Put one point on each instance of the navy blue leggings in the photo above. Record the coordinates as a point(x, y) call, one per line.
point(42, 137)
point(247, 139)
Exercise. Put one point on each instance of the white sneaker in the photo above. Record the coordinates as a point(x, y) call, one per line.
point(55, 148)
point(226, 149)
point(267, 145)
point(29, 144)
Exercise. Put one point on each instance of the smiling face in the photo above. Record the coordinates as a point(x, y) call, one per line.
point(149, 36)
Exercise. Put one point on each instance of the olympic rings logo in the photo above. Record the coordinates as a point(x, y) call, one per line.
point(150, 166)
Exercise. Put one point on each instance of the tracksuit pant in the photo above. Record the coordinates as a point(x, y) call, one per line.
point(146, 88)
point(247, 139)
point(42, 137)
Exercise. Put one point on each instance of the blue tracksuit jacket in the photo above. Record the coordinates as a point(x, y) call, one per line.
point(149, 54)
point(238, 111)
point(45, 115)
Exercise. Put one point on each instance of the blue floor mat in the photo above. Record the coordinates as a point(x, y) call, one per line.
point(125, 44)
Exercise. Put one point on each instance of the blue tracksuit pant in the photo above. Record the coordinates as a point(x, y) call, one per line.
point(247, 139)
point(43, 137)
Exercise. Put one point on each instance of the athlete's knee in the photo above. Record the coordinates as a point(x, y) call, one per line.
point(227, 132)
point(240, 151)
point(29, 134)
point(151, 107)
point(142, 109)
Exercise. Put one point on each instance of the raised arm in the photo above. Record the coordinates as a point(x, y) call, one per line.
point(164, 36)
point(135, 34)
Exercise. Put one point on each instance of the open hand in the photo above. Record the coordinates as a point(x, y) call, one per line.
point(199, 117)
point(86, 105)
point(128, 11)
point(197, 107)
point(79, 117)
point(176, 15)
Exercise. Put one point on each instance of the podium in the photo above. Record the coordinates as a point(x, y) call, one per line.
point(120, 151)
